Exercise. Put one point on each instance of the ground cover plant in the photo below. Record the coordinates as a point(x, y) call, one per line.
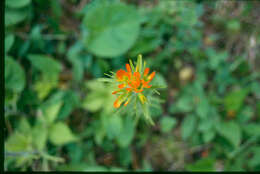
point(61, 114)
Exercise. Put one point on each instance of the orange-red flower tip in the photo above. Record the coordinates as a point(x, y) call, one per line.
point(120, 74)
point(121, 86)
point(146, 71)
point(151, 76)
point(128, 68)
point(117, 103)
point(114, 92)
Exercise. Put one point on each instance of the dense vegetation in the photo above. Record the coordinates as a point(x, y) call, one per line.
point(58, 116)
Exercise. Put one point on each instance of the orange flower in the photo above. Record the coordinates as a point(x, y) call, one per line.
point(132, 82)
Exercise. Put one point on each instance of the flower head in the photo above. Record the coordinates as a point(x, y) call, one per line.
point(131, 85)
point(133, 80)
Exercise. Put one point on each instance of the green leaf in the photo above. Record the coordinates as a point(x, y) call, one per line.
point(9, 40)
point(206, 124)
point(45, 64)
point(52, 106)
point(203, 107)
point(113, 125)
point(188, 126)
point(14, 75)
point(24, 126)
point(13, 17)
point(99, 97)
point(17, 3)
point(20, 140)
point(127, 134)
point(245, 115)
point(40, 135)
point(75, 57)
point(167, 123)
point(43, 87)
point(71, 100)
point(184, 104)
point(230, 131)
point(234, 100)
point(61, 134)
point(252, 129)
point(208, 135)
point(149, 40)
point(111, 29)
point(51, 112)
point(206, 164)
point(93, 102)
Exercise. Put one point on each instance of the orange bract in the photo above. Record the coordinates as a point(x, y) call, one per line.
point(132, 82)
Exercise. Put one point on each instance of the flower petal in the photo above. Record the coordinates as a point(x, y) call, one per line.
point(151, 76)
point(121, 86)
point(146, 71)
point(117, 103)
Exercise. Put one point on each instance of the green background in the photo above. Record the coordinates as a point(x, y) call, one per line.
point(58, 116)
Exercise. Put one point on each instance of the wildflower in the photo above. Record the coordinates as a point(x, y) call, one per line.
point(133, 80)
point(131, 84)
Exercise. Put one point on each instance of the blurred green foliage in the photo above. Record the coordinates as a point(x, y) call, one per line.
point(59, 117)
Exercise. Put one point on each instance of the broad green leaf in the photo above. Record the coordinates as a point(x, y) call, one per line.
point(71, 100)
point(40, 135)
point(13, 16)
point(52, 106)
point(205, 124)
point(113, 125)
point(127, 134)
point(252, 129)
point(208, 135)
point(17, 3)
point(14, 75)
point(93, 102)
point(18, 142)
point(188, 126)
point(184, 104)
point(203, 107)
point(100, 134)
point(51, 112)
point(45, 64)
point(167, 123)
point(149, 40)
point(9, 40)
point(234, 100)
point(24, 126)
point(99, 97)
point(111, 29)
point(60, 134)
point(50, 69)
point(230, 131)
point(43, 87)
